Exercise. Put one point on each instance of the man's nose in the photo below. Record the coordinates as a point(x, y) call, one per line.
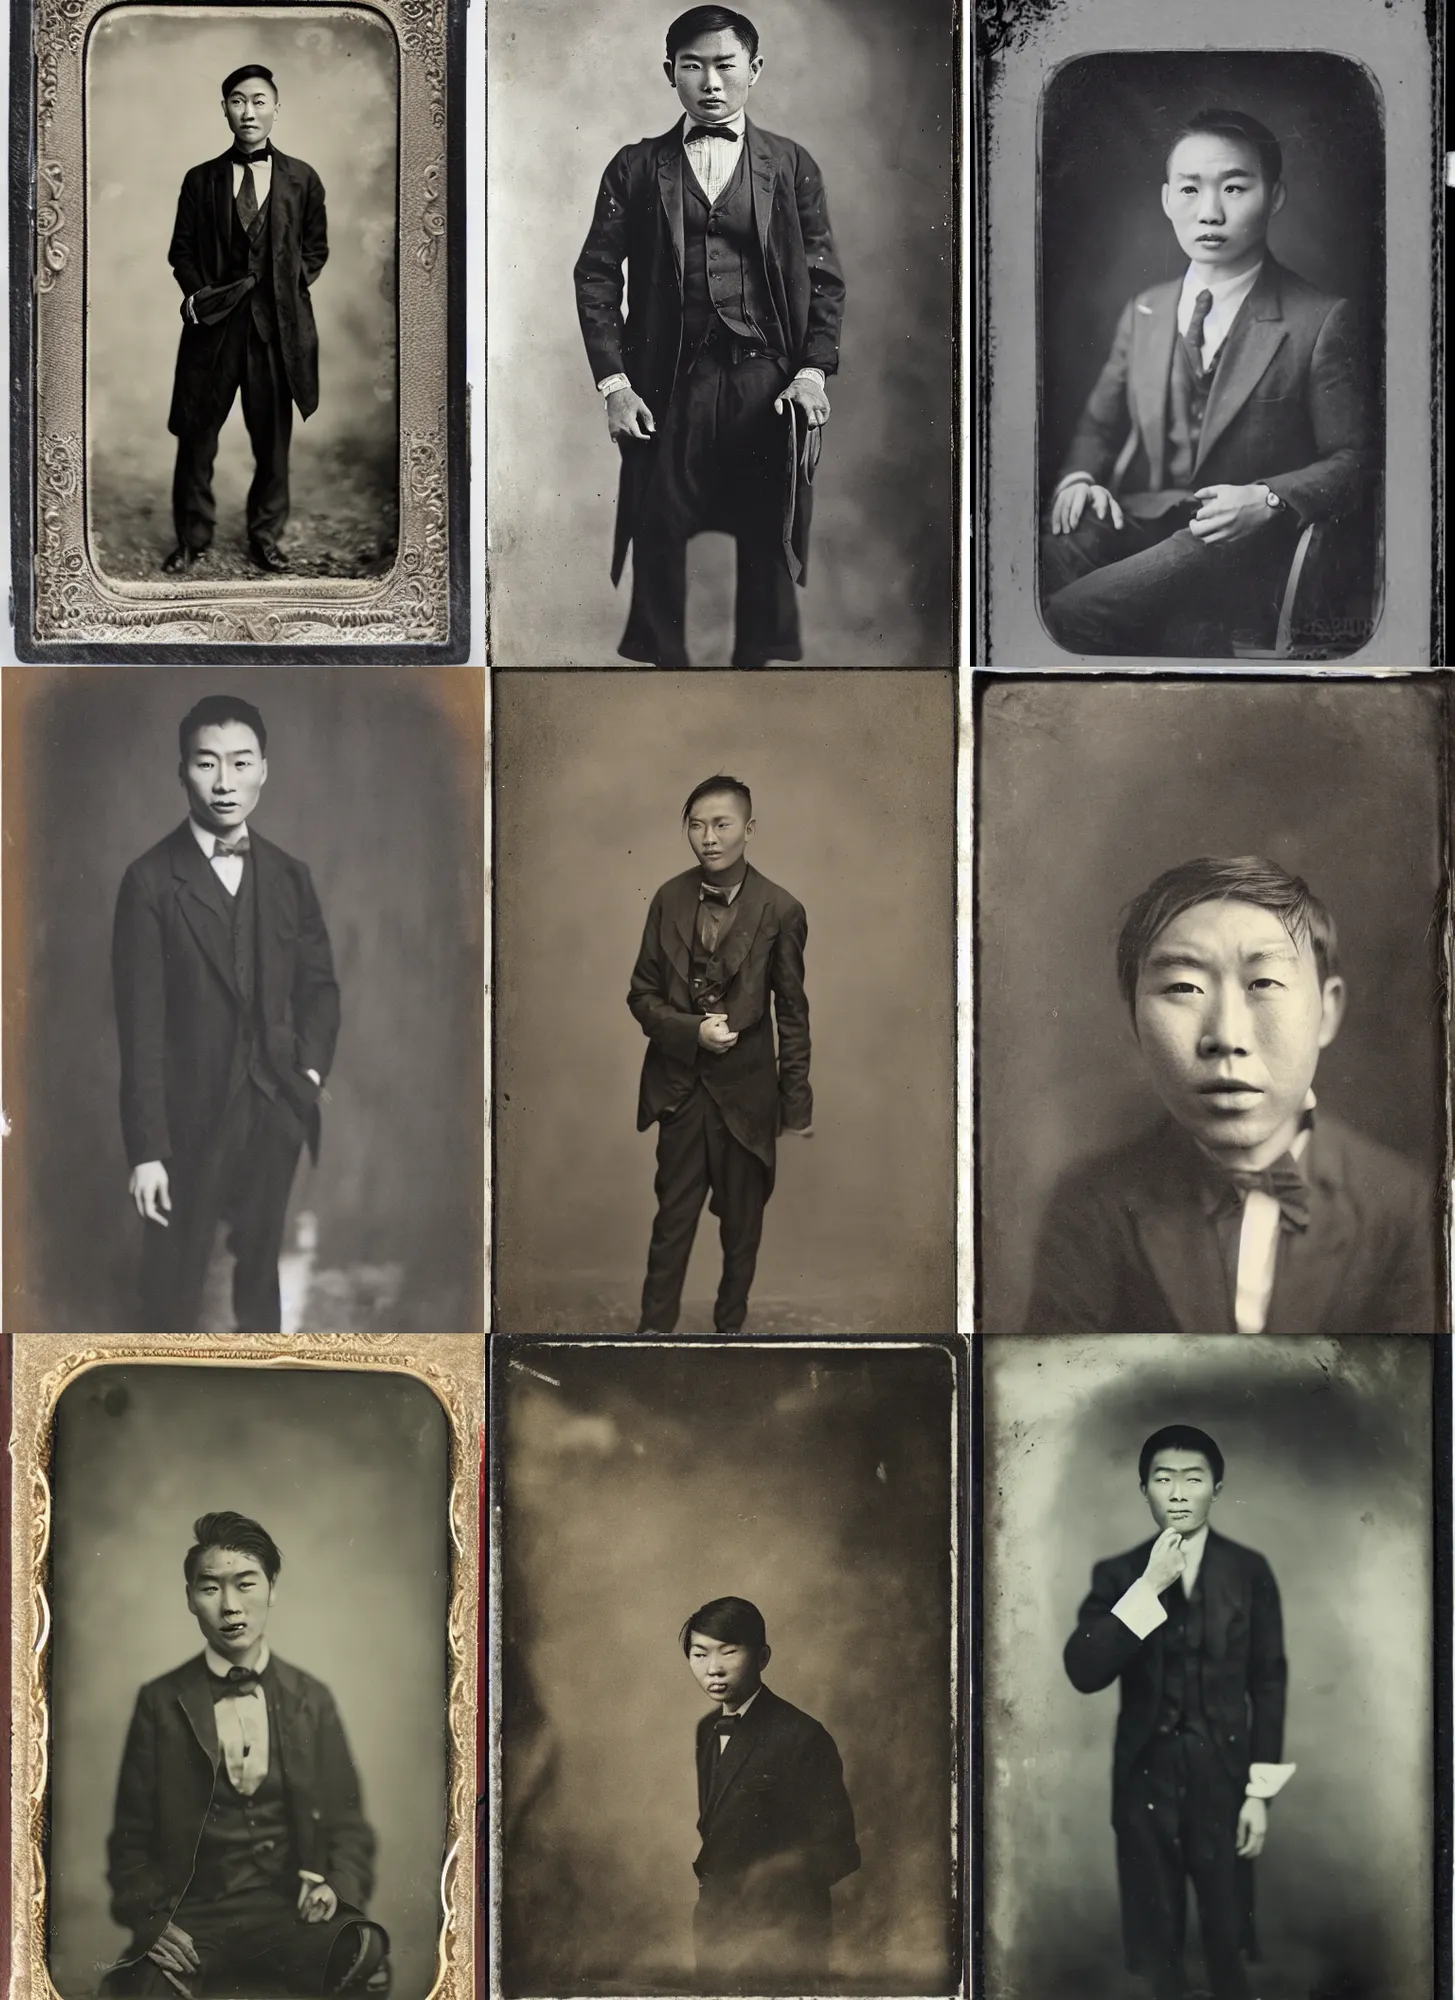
point(1225, 1031)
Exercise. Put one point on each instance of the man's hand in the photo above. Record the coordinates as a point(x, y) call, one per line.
point(149, 1190)
point(800, 1131)
point(1070, 504)
point(627, 416)
point(175, 1953)
point(715, 1034)
point(316, 1901)
point(807, 392)
point(1230, 513)
point(1252, 1829)
point(1167, 1561)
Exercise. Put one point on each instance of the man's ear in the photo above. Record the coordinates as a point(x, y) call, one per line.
point(670, 73)
point(1166, 201)
point(1333, 1011)
point(765, 1654)
point(1280, 196)
point(263, 771)
point(749, 829)
point(755, 70)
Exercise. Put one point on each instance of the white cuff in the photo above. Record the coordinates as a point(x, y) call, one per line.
point(1140, 1609)
point(1072, 479)
point(1266, 1781)
point(610, 383)
point(810, 375)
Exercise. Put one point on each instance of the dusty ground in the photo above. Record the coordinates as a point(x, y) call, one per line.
point(601, 1312)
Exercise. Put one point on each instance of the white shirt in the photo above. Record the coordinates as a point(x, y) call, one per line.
point(228, 868)
point(242, 1726)
point(724, 1736)
point(262, 177)
point(1258, 1236)
point(1228, 295)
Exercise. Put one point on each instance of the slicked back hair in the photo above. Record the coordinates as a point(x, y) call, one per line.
point(1231, 125)
point(1180, 1437)
point(1210, 879)
point(732, 1619)
point(214, 709)
point(711, 21)
point(232, 1531)
point(721, 783)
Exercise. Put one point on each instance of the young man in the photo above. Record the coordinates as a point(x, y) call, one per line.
point(721, 943)
point(1243, 1211)
point(715, 377)
point(251, 237)
point(1191, 1627)
point(227, 1012)
point(1232, 410)
point(240, 1849)
point(776, 1824)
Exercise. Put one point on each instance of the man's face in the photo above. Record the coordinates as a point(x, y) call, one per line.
point(251, 109)
point(230, 1597)
point(1180, 1490)
point(1231, 1016)
point(713, 75)
point(718, 831)
point(222, 774)
point(724, 1670)
point(1218, 202)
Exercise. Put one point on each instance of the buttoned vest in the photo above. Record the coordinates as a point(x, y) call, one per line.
point(250, 1058)
point(723, 279)
point(1182, 1659)
point(246, 1843)
point(250, 250)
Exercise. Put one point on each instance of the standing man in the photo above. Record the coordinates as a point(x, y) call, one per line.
point(721, 942)
point(1190, 1625)
point(239, 1850)
point(714, 379)
point(227, 1012)
point(776, 1823)
point(251, 237)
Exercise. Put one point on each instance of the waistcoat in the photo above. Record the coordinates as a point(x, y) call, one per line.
point(722, 269)
point(707, 973)
point(1187, 394)
point(246, 1843)
point(250, 250)
point(1182, 1654)
point(250, 1052)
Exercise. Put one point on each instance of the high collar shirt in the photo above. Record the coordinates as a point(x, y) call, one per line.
point(228, 868)
point(242, 1726)
point(262, 178)
point(1258, 1235)
point(714, 161)
point(724, 1736)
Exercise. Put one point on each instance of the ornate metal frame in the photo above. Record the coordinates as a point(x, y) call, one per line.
point(453, 1367)
point(74, 603)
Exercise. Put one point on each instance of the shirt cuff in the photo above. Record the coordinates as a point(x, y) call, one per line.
point(810, 375)
point(608, 383)
point(1266, 1781)
point(1140, 1609)
point(1071, 479)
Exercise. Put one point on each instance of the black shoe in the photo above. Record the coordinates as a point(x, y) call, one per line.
point(268, 556)
point(183, 558)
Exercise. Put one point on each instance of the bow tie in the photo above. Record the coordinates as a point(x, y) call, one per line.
point(237, 1680)
point(1286, 1185)
point(251, 159)
point(728, 1723)
point(712, 132)
point(226, 849)
point(711, 892)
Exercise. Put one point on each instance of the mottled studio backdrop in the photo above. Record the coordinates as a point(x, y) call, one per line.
point(1086, 794)
point(154, 109)
point(852, 782)
point(349, 1473)
point(640, 1483)
point(867, 88)
point(375, 781)
point(1329, 1476)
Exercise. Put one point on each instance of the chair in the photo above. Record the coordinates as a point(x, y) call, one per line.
point(1333, 593)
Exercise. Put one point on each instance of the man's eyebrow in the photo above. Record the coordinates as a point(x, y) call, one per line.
point(1284, 952)
point(1165, 961)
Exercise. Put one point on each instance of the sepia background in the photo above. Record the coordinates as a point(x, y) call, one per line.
point(1089, 791)
point(639, 1484)
point(1329, 1476)
point(349, 1473)
point(376, 783)
point(154, 109)
point(868, 90)
point(852, 782)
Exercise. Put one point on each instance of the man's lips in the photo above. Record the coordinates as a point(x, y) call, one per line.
point(1229, 1087)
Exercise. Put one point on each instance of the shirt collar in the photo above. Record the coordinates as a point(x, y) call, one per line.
point(1214, 1182)
point(222, 1668)
point(205, 838)
point(1227, 293)
point(747, 1704)
point(737, 123)
point(731, 891)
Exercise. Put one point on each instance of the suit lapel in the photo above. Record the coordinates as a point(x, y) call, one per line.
point(747, 907)
point(1311, 1262)
point(222, 199)
point(681, 919)
point(265, 892)
point(1217, 1581)
point(287, 1707)
point(1256, 336)
point(1156, 330)
point(195, 1696)
point(669, 188)
point(1181, 1245)
point(199, 895)
point(728, 1765)
point(763, 171)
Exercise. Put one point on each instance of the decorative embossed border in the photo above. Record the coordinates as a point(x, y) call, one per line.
point(65, 608)
point(453, 1367)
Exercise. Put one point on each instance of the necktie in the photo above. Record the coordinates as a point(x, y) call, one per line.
point(1286, 1185)
point(238, 1680)
point(247, 194)
point(1201, 307)
point(712, 132)
point(711, 892)
point(226, 849)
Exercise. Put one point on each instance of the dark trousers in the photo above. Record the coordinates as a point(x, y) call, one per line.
point(248, 362)
point(1153, 587)
point(698, 1156)
point(717, 461)
point(747, 1944)
point(1178, 1818)
point(257, 1940)
point(243, 1178)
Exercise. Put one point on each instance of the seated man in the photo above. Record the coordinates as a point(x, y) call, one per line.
point(240, 1857)
point(1238, 1213)
point(1232, 411)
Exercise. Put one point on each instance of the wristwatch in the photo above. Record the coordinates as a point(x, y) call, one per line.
point(1272, 498)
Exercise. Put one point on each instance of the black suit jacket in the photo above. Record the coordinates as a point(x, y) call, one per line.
point(168, 1770)
point(638, 219)
point(177, 1003)
point(1289, 404)
point(775, 1795)
point(198, 254)
point(757, 1090)
point(1129, 1244)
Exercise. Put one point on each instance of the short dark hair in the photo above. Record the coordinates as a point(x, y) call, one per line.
point(216, 708)
point(721, 783)
point(234, 77)
point(1208, 879)
point(732, 1619)
point(1231, 125)
point(1180, 1437)
point(710, 21)
point(232, 1531)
